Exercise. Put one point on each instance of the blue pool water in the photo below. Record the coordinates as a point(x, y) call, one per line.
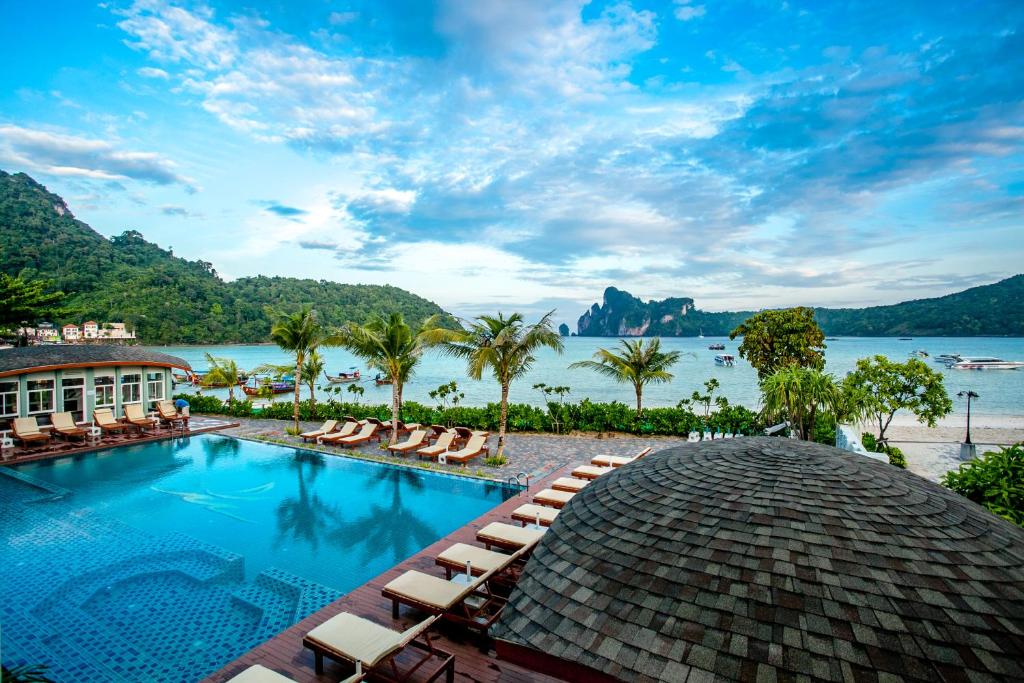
point(165, 561)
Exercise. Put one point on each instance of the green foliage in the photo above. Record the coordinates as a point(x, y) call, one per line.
point(636, 363)
point(995, 480)
point(896, 456)
point(165, 299)
point(25, 673)
point(825, 430)
point(26, 301)
point(447, 392)
point(222, 372)
point(584, 416)
point(801, 395)
point(505, 346)
point(299, 333)
point(884, 387)
point(773, 340)
point(496, 461)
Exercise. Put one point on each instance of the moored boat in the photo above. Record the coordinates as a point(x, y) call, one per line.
point(381, 380)
point(716, 347)
point(948, 358)
point(725, 359)
point(986, 363)
point(275, 388)
point(343, 377)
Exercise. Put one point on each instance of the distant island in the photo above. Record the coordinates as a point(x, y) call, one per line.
point(988, 310)
point(163, 298)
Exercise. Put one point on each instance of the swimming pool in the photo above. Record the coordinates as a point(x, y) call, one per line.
point(164, 561)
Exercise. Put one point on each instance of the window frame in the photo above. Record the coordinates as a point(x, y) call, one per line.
point(100, 389)
point(17, 397)
point(122, 385)
point(160, 381)
point(30, 390)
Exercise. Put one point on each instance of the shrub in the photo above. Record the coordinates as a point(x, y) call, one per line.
point(495, 461)
point(896, 457)
point(995, 481)
point(870, 443)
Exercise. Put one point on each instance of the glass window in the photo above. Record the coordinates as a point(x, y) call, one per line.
point(73, 390)
point(40, 396)
point(131, 388)
point(104, 391)
point(9, 399)
point(154, 387)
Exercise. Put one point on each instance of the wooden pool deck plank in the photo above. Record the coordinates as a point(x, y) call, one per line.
point(285, 654)
point(201, 426)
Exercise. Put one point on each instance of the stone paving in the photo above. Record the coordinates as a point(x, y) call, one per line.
point(534, 454)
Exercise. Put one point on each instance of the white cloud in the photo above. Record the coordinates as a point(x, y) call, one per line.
point(151, 72)
point(70, 155)
point(685, 11)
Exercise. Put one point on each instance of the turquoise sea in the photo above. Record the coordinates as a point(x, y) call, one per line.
point(1001, 391)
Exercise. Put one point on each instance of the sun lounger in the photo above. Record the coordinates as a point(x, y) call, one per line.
point(508, 536)
point(26, 430)
point(347, 429)
point(135, 416)
point(404, 428)
point(474, 447)
point(534, 514)
point(373, 648)
point(366, 433)
point(571, 484)
point(590, 471)
point(169, 414)
point(481, 561)
point(258, 673)
point(64, 425)
point(326, 428)
point(415, 440)
point(556, 499)
point(443, 443)
point(435, 431)
point(106, 421)
point(384, 427)
point(617, 460)
point(471, 604)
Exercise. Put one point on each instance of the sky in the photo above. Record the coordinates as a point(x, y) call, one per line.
point(525, 154)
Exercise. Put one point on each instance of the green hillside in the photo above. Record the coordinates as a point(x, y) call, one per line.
point(988, 310)
point(166, 299)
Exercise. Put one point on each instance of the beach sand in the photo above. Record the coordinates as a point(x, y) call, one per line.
point(933, 451)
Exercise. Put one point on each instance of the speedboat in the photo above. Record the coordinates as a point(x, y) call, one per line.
point(919, 353)
point(986, 363)
point(716, 347)
point(725, 359)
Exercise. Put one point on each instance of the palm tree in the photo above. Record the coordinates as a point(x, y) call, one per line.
point(392, 347)
point(637, 363)
point(311, 371)
point(506, 346)
point(298, 333)
point(802, 395)
point(223, 371)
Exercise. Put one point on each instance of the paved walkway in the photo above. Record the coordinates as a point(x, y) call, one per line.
point(534, 454)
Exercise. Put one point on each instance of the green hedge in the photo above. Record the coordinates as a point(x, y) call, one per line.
point(584, 416)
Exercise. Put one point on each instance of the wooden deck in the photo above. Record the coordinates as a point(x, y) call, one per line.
point(60, 448)
point(284, 652)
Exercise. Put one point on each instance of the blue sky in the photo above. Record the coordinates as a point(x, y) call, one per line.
point(524, 155)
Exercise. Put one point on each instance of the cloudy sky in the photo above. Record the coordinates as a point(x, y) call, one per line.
point(525, 154)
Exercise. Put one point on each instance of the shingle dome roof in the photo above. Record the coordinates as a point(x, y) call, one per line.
point(14, 360)
point(773, 559)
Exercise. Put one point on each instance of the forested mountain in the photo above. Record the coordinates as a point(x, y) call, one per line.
point(166, 299)
point(988, 310)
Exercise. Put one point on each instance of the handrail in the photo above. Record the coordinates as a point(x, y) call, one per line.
point(516, 481)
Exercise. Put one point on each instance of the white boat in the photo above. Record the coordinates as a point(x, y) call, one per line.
point(948, 358)
point(986, 363)
point(725, 359)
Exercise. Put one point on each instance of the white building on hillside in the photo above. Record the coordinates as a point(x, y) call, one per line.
point(90, 330)
point(71, 333)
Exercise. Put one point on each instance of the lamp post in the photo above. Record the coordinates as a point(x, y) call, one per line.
point(967, 449)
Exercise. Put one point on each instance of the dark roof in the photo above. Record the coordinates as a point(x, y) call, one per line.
point(50, 355)
point(764, 559)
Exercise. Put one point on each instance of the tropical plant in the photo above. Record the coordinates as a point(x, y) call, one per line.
point(708, 398)
point(357, 391)
point(637, 363)
point(392, 347)
point(884, 387)
point(298, 333)
point(222, 372)
point(801, 395)
point(311, 371)
point(555, 410)
point(447, 392)
point(775, 339)
point(506, 347)
point(995, 480)
point(25, 673)
point(23, 302)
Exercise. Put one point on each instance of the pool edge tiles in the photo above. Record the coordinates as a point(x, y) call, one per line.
point(52, 492)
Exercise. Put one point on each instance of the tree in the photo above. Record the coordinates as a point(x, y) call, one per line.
point(392, 347)
point(775, 339)
point(802, 395)
point(299, 333)
point(311, 371)
point(23, 302)
point(883, 387)
point(222, 372)
point(995, 480)
point(506, 347)
point(636, 363)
